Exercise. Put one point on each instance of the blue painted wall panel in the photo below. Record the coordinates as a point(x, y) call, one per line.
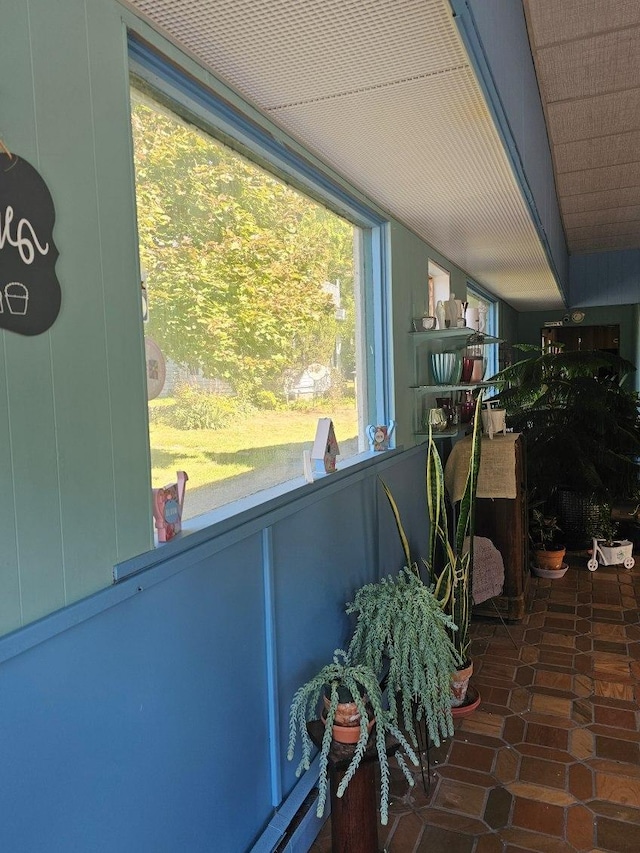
point(144, 728)
point(321, 556)
point(147, 724)
point(605, 278)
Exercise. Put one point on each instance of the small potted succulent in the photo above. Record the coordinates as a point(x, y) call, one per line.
point(359, 686)
point(607, 549)
point(548, 553)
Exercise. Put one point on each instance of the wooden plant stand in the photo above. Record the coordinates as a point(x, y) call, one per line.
point(354, 816)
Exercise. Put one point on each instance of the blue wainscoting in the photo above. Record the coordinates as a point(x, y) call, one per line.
point(152, 716)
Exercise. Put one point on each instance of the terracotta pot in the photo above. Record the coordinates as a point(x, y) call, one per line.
point(347, 734)
point(550, 560)
point(346, 713)
point(471, 702)
point(459, 685)
point(346, 727)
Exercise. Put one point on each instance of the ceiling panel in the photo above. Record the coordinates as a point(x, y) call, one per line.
point(591, 66)
point(608, 229)
point(384, 94)
point(592, 153)
point(332, 48)
point(599, 180)
point(564, 20)
point(593, 243)
point(609, 200)
point(587, 59)
point(445, 131)
point(603, 216)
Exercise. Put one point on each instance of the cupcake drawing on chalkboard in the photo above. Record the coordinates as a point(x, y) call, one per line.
point(17, 297)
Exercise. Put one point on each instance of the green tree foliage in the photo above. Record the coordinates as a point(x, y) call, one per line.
point(236, 259)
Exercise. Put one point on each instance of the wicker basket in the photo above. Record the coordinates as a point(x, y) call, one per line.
point(578, 514)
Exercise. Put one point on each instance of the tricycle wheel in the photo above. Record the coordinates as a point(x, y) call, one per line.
point(629, 563)
point(592, 565)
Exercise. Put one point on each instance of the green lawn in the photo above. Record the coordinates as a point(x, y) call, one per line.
point(266, 439)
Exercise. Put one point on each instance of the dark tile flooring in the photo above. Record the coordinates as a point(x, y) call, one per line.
point(550, 761)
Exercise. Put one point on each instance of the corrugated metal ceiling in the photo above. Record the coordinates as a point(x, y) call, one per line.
point(385, 95)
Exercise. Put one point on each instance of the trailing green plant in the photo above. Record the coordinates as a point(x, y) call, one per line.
point(448, 570)
point(364, 688)
point(399, 620)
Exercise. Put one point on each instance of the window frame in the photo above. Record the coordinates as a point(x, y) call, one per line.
point(236, 124)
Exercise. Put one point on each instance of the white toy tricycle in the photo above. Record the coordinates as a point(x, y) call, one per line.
point(618, 552)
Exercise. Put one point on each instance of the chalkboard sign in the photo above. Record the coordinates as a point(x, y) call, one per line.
point(29, 289)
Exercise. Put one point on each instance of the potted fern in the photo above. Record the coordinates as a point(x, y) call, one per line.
point(363, 690)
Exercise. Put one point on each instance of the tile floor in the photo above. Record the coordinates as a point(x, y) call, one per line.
point(550, 761)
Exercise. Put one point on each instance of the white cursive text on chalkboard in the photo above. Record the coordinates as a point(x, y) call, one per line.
point(25, 239)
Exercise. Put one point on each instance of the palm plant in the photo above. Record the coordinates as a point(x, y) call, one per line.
point(580, 421)
point(363, 686)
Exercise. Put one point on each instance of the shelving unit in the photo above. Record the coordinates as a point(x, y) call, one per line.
point(440, 340)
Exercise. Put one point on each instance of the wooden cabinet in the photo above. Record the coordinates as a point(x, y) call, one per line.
point(505, 522)
point(605, 338)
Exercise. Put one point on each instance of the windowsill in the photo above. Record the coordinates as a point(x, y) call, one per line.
point(228, 518)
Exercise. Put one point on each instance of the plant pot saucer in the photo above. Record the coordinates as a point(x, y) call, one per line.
point(471, 703)
point(550, 573)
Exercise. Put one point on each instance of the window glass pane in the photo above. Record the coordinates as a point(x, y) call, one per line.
point(253, 314)
point(487, 323)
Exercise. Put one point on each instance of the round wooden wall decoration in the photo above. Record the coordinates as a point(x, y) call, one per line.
point(30, 294)
point(156, 368)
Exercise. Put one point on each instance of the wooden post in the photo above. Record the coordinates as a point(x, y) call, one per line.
point(354, 820)
point(354, 815)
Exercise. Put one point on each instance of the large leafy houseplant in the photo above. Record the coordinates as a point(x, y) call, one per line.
point(580, 422)
point(361, 683)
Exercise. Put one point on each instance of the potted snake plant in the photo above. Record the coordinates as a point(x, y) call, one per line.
point(450, 556)
point(422, 627)
point(357, 684)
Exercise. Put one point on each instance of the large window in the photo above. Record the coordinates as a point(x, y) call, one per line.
point(487, 323)
point(252, 307)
